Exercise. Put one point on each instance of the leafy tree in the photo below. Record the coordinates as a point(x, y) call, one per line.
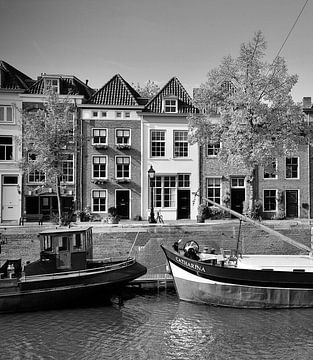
point(246, 105)
point(149, 89)
point(48, 137)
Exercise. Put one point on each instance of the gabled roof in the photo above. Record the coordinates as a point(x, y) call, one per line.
point(116, 92)
point(176, 89)
point(13, 79)
point(69, 85)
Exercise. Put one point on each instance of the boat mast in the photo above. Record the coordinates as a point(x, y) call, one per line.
point(261, 226)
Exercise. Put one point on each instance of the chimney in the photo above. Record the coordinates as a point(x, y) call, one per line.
point(87, 82)
point(307, 103)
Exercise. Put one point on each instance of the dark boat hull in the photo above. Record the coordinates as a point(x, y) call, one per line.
point(95, 288)
point(243, 288)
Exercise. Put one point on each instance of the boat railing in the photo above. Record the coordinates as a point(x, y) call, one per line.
point(78, 273)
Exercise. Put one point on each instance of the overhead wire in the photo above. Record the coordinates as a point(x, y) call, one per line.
point(282, 46)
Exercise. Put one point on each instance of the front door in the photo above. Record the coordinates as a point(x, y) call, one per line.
point(10, 202)
point(237, 200)
point(292, 203)
point(122, 203)
point(48, 206)
point(183, 204)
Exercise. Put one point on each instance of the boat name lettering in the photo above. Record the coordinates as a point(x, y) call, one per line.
point(190, 265)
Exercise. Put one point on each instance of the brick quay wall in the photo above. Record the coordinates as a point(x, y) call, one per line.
point(143, 240)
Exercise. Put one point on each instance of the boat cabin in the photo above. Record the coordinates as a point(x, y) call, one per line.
point(62, 250)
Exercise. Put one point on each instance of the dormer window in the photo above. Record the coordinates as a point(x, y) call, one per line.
point(52, 85)
point(170, 105)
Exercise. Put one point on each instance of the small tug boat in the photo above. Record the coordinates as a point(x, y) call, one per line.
point(66, 275)
point(244, 281)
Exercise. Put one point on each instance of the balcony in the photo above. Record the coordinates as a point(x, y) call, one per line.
point(99, 181)
point(100, 146)
point(123, 146)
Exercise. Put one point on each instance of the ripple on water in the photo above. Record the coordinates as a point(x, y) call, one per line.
point(158, 326)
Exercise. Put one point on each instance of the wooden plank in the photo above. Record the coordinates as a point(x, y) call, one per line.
point(261, 226)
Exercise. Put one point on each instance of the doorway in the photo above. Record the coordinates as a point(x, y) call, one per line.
point(122, 203)
point(10, 203)
point(292, 203)
point(183, 204)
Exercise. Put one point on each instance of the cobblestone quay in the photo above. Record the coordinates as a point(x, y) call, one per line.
point(143, 240)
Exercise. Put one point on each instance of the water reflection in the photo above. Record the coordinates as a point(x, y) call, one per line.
point(157, 326)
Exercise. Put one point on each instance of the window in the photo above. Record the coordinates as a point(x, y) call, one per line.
point(98, 200)
point(123, 137)
point(214, 189)
point(68, 168)
point(180, 144)
point(52, 85)
point(10, 180)
point(99, 167)
point(77, 242)
point(6, 114)
point(269, 200)
point(63, 243)
point(165, 191)
point(35, 176)
point(127, 115)
point(157, 143)
point(183, 180)
point(99, 136)
point(47, 243)
point(270, 171)
point(103, 114)
point(238, 182)
point(122, 167)
point(95, 114)
point(213, 149)
point(118, 114)
point(292, 168)
point(6, 148)
point(170, 105)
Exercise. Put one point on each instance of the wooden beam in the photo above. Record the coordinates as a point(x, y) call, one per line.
point(261, 226)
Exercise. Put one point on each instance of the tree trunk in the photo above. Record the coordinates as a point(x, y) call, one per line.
point(58, 191)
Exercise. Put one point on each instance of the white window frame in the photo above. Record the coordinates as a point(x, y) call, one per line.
point(93, 136)
point(162, 143)
point(170, 105)
point(106, 166)
point(35, 174)
point(54, 87)
point(298, 168)
point(264, 200)
point(129, 170)
point(159, 196)
point(182, 142)
point(123, 137)
point(67, 161)
point(5, 114)
point(12, 146)
point(237, 186)
point(216, 147)
point(93, 203)
point(275, 177)
point(214, 187)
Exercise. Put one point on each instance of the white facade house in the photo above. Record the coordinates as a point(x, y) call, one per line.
point(12, 84)
point(165, 147)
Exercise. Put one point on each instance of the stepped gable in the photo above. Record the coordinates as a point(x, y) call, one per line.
point(172, 88)
point(69, 85)
point(116, 92)
point(13, 79)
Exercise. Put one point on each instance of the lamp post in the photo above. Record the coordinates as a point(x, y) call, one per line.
point(151, 175)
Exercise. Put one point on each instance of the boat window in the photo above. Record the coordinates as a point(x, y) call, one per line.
point(47, 243)
point(298, 270)
point(63, 243)
point(268, 269)
point(77, 242)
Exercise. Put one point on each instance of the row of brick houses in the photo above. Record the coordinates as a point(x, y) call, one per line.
point(124, 135)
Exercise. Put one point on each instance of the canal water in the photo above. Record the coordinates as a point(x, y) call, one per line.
point(155, 325)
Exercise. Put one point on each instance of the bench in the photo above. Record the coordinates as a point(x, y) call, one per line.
point(32, 217)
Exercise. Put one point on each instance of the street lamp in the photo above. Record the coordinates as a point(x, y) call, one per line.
point(151, 175)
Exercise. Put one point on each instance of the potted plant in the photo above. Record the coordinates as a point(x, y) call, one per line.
point(202, 213)
point(113, 217)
